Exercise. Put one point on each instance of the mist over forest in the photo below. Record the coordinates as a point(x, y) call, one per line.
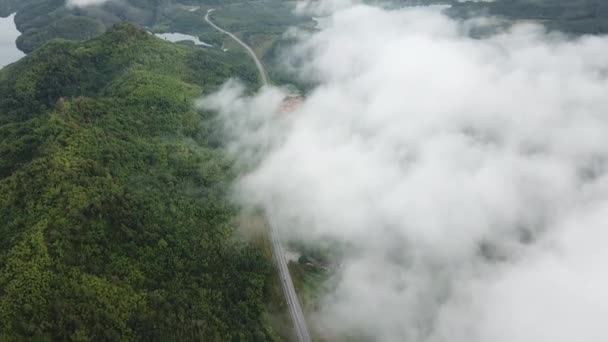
point(327, 170)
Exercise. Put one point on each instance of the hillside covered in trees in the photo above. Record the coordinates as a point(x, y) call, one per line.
point(115, 222)
point(40, 21)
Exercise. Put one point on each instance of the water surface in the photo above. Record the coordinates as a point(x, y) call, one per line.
point(178, 37)
point(8, 34)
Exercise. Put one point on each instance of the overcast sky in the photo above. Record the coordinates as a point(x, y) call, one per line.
point(469, 175)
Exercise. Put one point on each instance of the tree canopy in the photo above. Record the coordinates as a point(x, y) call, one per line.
point(115, 219)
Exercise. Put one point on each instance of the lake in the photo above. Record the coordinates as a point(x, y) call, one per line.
point(178, 37)
point(8, 34)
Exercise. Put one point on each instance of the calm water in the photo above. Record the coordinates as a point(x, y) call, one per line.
point(8, 34)
point(178, 37)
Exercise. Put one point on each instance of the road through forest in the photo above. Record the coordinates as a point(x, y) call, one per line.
point(258, 64)
point(286, 282)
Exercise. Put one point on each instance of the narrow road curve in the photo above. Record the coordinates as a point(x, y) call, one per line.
point(286, 282)
point(258, 64)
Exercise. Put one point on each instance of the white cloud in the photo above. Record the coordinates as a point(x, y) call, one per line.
point(469, 175)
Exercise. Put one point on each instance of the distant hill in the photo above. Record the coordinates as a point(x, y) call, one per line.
point(572, 16)
point(115, 223)
point(42, 20)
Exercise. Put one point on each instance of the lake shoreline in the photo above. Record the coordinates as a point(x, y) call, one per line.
point(9, 53)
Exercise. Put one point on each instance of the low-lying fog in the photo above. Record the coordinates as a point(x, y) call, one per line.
point(468, 175)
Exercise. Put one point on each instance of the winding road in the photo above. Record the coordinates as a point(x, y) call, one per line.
point(286, 282)
point(258, 64)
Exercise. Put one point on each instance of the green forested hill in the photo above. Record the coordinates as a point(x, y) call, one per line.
point(114, 222)
point(40, 21)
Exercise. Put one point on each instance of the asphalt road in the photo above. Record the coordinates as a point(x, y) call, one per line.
point(287, 284)
point(258, 64)
point(288, 289)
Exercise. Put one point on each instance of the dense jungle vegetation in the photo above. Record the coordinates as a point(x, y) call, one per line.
point(115, 222)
